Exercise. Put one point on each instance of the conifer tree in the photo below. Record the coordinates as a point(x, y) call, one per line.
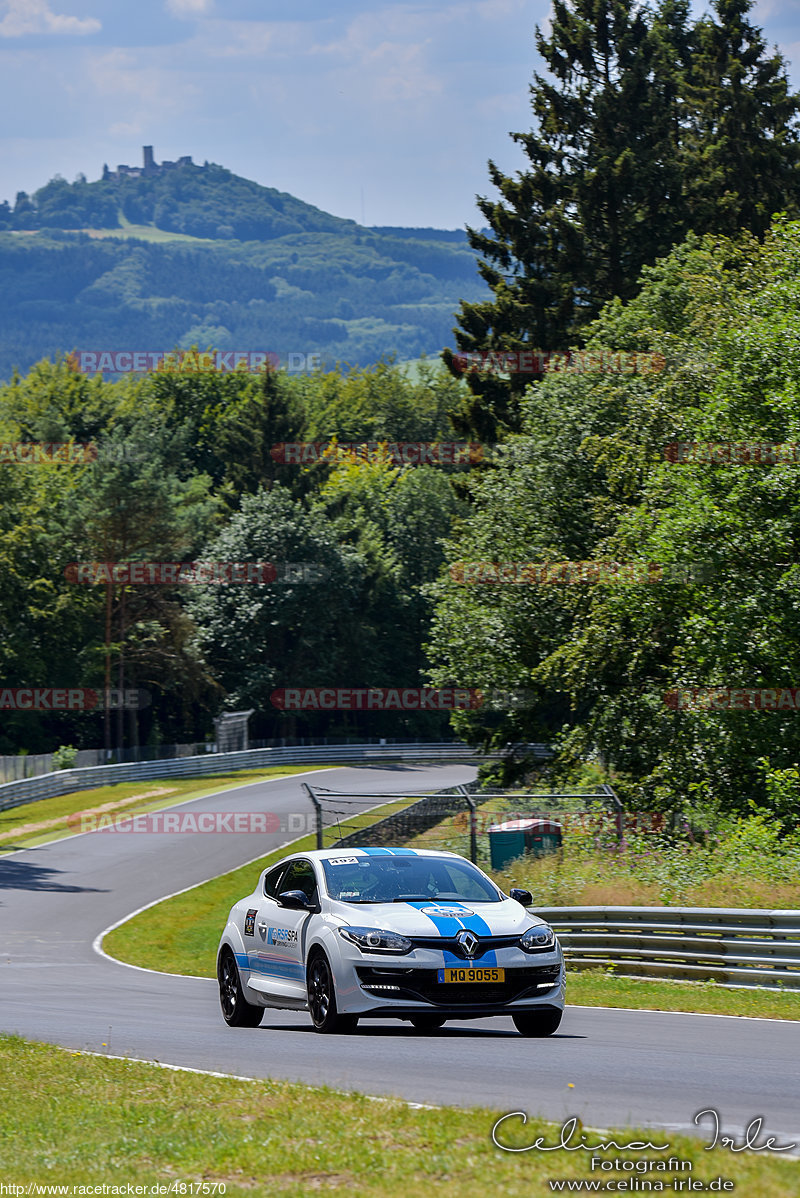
point(646, 127)
point(741, 149)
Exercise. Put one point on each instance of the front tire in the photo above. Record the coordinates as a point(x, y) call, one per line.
point(236, 1010)
point(322, 998)
point(537, 1023)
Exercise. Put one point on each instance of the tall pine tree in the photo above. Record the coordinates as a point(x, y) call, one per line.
point(643, 129)
point(741, 149)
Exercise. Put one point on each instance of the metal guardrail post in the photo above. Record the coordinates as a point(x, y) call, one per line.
point(744, 947)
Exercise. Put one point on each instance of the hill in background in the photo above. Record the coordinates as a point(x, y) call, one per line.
point(182, 254)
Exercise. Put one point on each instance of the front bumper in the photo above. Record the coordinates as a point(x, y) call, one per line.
point(422, 986)
point(370, 985)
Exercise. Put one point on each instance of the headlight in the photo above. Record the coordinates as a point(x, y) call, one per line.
point(538, 938)
point(376, 940)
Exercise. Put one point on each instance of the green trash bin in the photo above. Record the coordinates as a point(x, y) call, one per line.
point(517, 836)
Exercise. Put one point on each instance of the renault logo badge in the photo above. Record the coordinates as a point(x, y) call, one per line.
point(467, 942)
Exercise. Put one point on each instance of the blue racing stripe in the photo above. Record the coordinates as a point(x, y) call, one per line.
point(448, 925)
point(275, 967)
point(271, 968)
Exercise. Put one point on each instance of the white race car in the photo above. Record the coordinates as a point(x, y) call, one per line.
point(401, 933)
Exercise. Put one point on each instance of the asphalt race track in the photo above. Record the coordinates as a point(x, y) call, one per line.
point(626, 1067)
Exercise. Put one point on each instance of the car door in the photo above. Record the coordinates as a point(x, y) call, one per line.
point(276, 958)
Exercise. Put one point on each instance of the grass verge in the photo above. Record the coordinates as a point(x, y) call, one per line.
point(596, 988)
point(46, 819)
point(82, 1120)
point(180, 934)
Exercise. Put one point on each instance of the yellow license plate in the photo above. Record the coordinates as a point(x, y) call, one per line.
point(472, 975)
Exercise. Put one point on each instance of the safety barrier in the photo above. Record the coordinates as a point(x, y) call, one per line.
point(47, 786)
point(732, 946)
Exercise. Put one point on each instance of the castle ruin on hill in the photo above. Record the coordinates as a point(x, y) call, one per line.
point(150, 167)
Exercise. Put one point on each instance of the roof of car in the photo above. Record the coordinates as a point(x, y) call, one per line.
point(326, 854)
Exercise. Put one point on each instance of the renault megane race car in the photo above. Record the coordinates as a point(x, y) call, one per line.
point(410, 934)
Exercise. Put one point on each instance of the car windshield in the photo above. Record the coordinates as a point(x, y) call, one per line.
point(409, 879)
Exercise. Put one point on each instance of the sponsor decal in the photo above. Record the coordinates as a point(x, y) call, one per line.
point(250, 922)
point(281, 937)
point(447, 912)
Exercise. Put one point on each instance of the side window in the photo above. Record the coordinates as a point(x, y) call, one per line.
point(272, 880)
point(300, 876)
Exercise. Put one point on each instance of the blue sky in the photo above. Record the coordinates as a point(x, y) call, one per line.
point(386, 111)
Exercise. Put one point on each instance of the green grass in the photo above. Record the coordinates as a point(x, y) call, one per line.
point(596, 988)
point(72, 1119)
point(17, 828)
point(147, 233)
point(180, 934)
point(747, 862)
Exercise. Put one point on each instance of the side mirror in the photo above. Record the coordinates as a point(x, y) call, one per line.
point(296, 900)
point(524, 897)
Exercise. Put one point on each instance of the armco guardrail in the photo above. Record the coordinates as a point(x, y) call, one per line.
point(47, 786)
point(735, 947)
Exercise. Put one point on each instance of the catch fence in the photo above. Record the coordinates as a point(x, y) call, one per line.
point(459, 818)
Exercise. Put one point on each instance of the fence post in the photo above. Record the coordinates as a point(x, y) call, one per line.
point(620, 811)
point(318, 810)
point(473, 824)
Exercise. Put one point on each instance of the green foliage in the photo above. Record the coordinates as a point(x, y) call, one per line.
point(184, 471)
point(588, 479)
point(783, 795)
point(745, 862)
point(65, 757)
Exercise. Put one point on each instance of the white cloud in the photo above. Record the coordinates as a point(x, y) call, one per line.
point(34, 16)
point(189, 8)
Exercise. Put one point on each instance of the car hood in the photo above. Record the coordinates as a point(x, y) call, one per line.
point(439, 918)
